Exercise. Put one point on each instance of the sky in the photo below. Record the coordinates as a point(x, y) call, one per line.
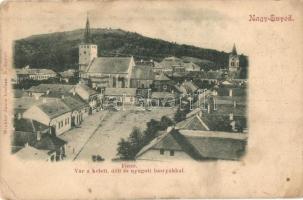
point(203, 24)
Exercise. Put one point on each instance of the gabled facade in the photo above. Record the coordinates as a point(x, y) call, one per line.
point(54, 114)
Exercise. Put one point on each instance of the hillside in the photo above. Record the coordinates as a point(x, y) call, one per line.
point(59, 51)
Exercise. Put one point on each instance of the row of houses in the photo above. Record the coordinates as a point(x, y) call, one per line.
point(45, 111)
point(214, 129)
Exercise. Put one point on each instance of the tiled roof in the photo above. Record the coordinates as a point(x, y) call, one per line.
point(61, 88)
point(201, 144)
point(120, 91)
point(110, 65)
point(192, 123)
point(29, 125)
point(24, 103)
point(54, 108)
point(74, 102)
point(217, 145)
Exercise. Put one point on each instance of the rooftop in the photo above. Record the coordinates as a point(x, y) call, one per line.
point(110, 65)
point(42, 88)
point(29, 125)
point(54, 108)
point(201, 144)
point(32, 153)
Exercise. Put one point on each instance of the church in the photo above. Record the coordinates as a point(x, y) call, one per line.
point(233, 65)
point(103, 72)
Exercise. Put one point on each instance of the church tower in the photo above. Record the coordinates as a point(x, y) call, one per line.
point(87, 50)
point(233, 60)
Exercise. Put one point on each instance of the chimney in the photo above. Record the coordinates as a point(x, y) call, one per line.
point(230, 92)
point(38, 135)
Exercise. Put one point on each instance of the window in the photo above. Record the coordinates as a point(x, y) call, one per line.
point(172, 153)
point(161, 151)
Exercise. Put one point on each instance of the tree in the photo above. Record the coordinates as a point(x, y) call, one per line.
point(136, 141)
point(123, 150)
point(165, 122)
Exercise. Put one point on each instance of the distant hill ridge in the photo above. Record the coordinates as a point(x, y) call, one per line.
point(59, 51)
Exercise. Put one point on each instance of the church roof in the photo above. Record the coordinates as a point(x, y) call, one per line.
point(110, 65)
point(234, 51)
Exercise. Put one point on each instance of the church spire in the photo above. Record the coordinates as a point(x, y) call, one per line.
point(234, 51)
point(87, 37)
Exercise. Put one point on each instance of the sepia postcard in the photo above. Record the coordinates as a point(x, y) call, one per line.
point(151, 99)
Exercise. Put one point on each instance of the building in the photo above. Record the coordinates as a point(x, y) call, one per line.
point(48, 148)
point(142, 75)
point(79, 109)
point(103, 72)
point(55, 114)
point(194, 145)
point(28, 73)
point(193, 121)
point(87, 50)
point(121, 95)
point(42, 89)
point(162, 83)
point(90, 96)
point(68, 75)
point(113, 72)
point(234, 61)
point(23, 103)
point(27, 131)
point(54, 146)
